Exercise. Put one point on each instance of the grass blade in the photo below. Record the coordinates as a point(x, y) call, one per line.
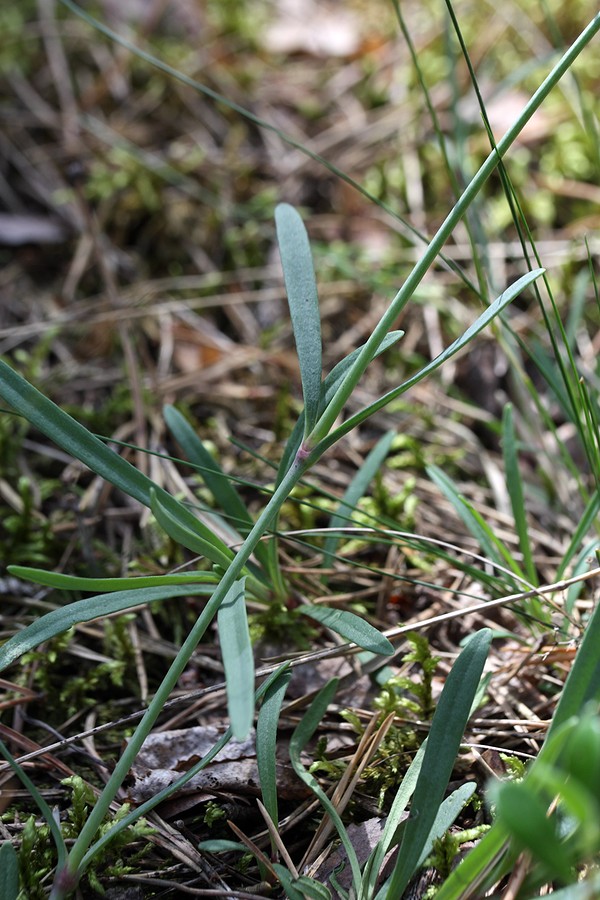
point(75, 583)
point(266, 744)
point(303, 300)
point(97, 607)
point(186, 529)
point(226, 497)
point(447, 727)
point(238, 659)
point(9, 872)
point(351, 627)
point(482, 321)
point(388, 838)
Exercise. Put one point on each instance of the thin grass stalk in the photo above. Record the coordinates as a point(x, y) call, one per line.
point(335, 407)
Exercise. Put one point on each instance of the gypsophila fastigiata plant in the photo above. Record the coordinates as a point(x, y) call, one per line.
point(252, 570)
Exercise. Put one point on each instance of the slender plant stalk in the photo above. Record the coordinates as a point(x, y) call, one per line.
point(310, 451)
point(327, 419)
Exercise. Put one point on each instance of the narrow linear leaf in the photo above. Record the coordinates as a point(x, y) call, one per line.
point(391, 830)
point(184, 528)
point(225, 495)
point(76, 583)
point(300, 738)
point(447, 814)
point(583, 681)
point(238, 659)
point(356, 489)
point(447, 727)
point(487, 540)
point(266, 743)
point(71, 436)
point(480, 868)
point(62, 619)
point(303, 300)
point(525, 816)
point(76, 440)
point(287, 883)
point(493, 310)
point(9, 872)
point(351, 627)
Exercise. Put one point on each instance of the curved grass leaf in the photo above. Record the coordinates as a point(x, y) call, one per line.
point(355, 490)
point(238, 660)
point(73, 437)
point(76, 440)
point(583, 681)
point(351, 627)
point(225, 495)
point(75, 583)
point(59, 620)
point(266, 744)
point(447, 814)
point(303, 300)
point(447, 727)
point(493, 310)
point(493, 548)
point(187, 530)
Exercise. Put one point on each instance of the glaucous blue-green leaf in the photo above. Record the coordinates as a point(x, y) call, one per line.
point(238, 659)
point(59, 620)
point(351, 627)
point(303, 300)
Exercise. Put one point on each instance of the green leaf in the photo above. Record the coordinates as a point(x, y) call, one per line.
point(266, 743)
point(493, 548)
point(9, 872)
point(97, 607)
point(72, 437)
point(447, 728)
point(480, 868)
point(300, 738)
point(583, 681)
point(355, 490)
point(187, 530)
point(287, 883)
point(478, 325)
point(525, 816)
point(351, 627)
point(447, 814)
point(303, 300)
point(76, 440)
point(238, 660)
point(391, 830)
point(225, 495)
point(75, 583)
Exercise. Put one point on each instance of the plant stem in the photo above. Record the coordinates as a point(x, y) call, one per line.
point(80, 856)
point(336, 405)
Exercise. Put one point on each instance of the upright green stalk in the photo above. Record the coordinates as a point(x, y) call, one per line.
point(327, 419)
point(79, 858)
